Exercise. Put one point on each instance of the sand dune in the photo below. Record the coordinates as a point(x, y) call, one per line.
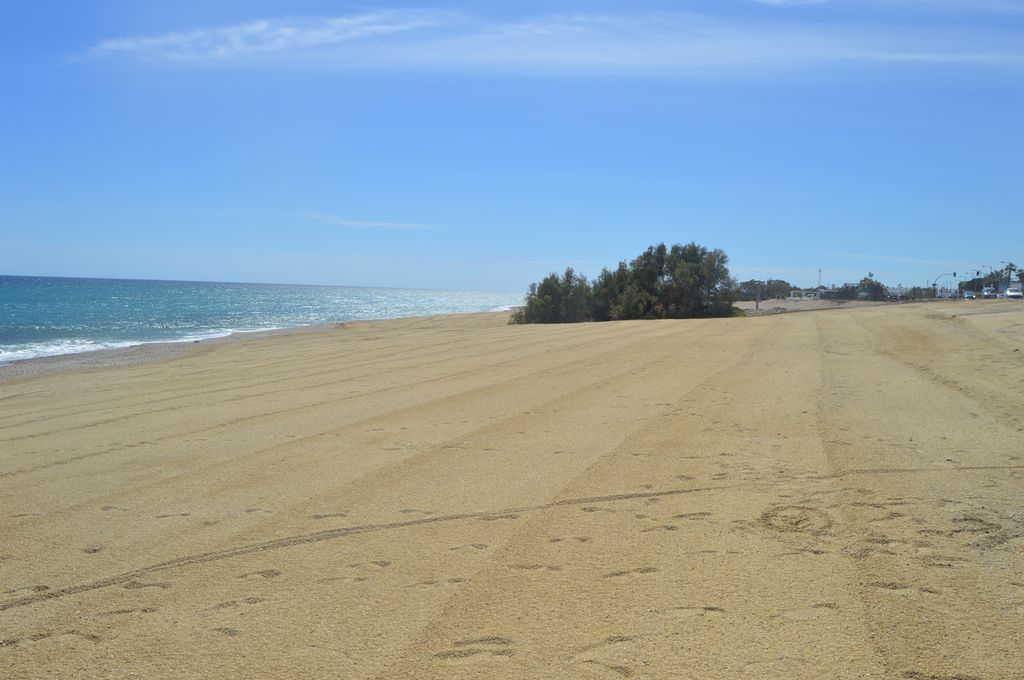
point(831, 494)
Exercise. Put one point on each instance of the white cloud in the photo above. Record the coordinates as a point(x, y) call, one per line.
point(650, 42)
point(263, 36)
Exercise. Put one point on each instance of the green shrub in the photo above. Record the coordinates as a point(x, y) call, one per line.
point(683, 281)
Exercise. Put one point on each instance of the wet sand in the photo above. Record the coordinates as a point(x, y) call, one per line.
point(833, 494)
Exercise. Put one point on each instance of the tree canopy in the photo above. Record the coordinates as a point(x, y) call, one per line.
point(870, 289)
point(772, 289)
point(681, 281)
point(994, 278)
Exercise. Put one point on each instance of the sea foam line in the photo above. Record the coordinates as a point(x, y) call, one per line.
point(66, 346)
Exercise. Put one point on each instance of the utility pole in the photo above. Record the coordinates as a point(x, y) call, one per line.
point(819, 278)
point(935, 283)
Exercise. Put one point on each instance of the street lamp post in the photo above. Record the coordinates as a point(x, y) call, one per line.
point(935, 283)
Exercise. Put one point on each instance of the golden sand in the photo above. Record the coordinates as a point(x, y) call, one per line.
point(832, 494)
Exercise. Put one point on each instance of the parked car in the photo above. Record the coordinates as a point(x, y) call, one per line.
point(969, 295)
point(1014, 293)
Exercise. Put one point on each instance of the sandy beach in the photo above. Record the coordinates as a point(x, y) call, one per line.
point(833, 494)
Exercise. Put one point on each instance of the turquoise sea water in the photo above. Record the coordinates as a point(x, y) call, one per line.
point(45, 316)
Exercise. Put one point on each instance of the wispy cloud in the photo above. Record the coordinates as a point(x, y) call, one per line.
point(647, 42)
point(264, 36)
point(366, 224)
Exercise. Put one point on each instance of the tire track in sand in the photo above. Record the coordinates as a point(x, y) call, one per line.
point(329, 535)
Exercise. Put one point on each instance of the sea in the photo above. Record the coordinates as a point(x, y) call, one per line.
point(47, 316)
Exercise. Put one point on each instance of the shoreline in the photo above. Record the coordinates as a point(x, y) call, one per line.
point(150, 352)
point(132, 355)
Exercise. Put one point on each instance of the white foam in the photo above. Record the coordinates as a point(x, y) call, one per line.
point(52, 348)
point(36, 350)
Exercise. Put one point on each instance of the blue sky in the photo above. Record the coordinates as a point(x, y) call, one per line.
point(482, 145)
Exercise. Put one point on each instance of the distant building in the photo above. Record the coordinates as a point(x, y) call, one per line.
point(897, 292)
point(847, 291)
point(802, 295)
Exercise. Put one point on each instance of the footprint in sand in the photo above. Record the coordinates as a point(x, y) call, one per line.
point(234, 604)
point(617, 669)
point(121, 612)
point(607, 656)
point(330, 515)
point(495, 518)
point(360, 566)
point(35, 589)
point(488, 647)
point(692, 515)
point(440, 583)
point(263, 573)
point(135, 585)
point(796, 519)
point(901, 588)
point(690, 611)
point(920, 675)
point(344, 579)
point(36, 637)
point(380, 564)
point(91, 637)
point(809, 613)
point(639, 571)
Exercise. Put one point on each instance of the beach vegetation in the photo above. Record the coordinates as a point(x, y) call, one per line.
point(557, 299)
point(871, 289)
point(996, 278)
point(663, 282)
point(772, 289)
point(921, 293)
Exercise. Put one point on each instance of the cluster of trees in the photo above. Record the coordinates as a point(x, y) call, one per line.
point(872, 289)
point(994, 278)
point(772, 289)
point(868, 289)
point(921, 293)
point(681, 281)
